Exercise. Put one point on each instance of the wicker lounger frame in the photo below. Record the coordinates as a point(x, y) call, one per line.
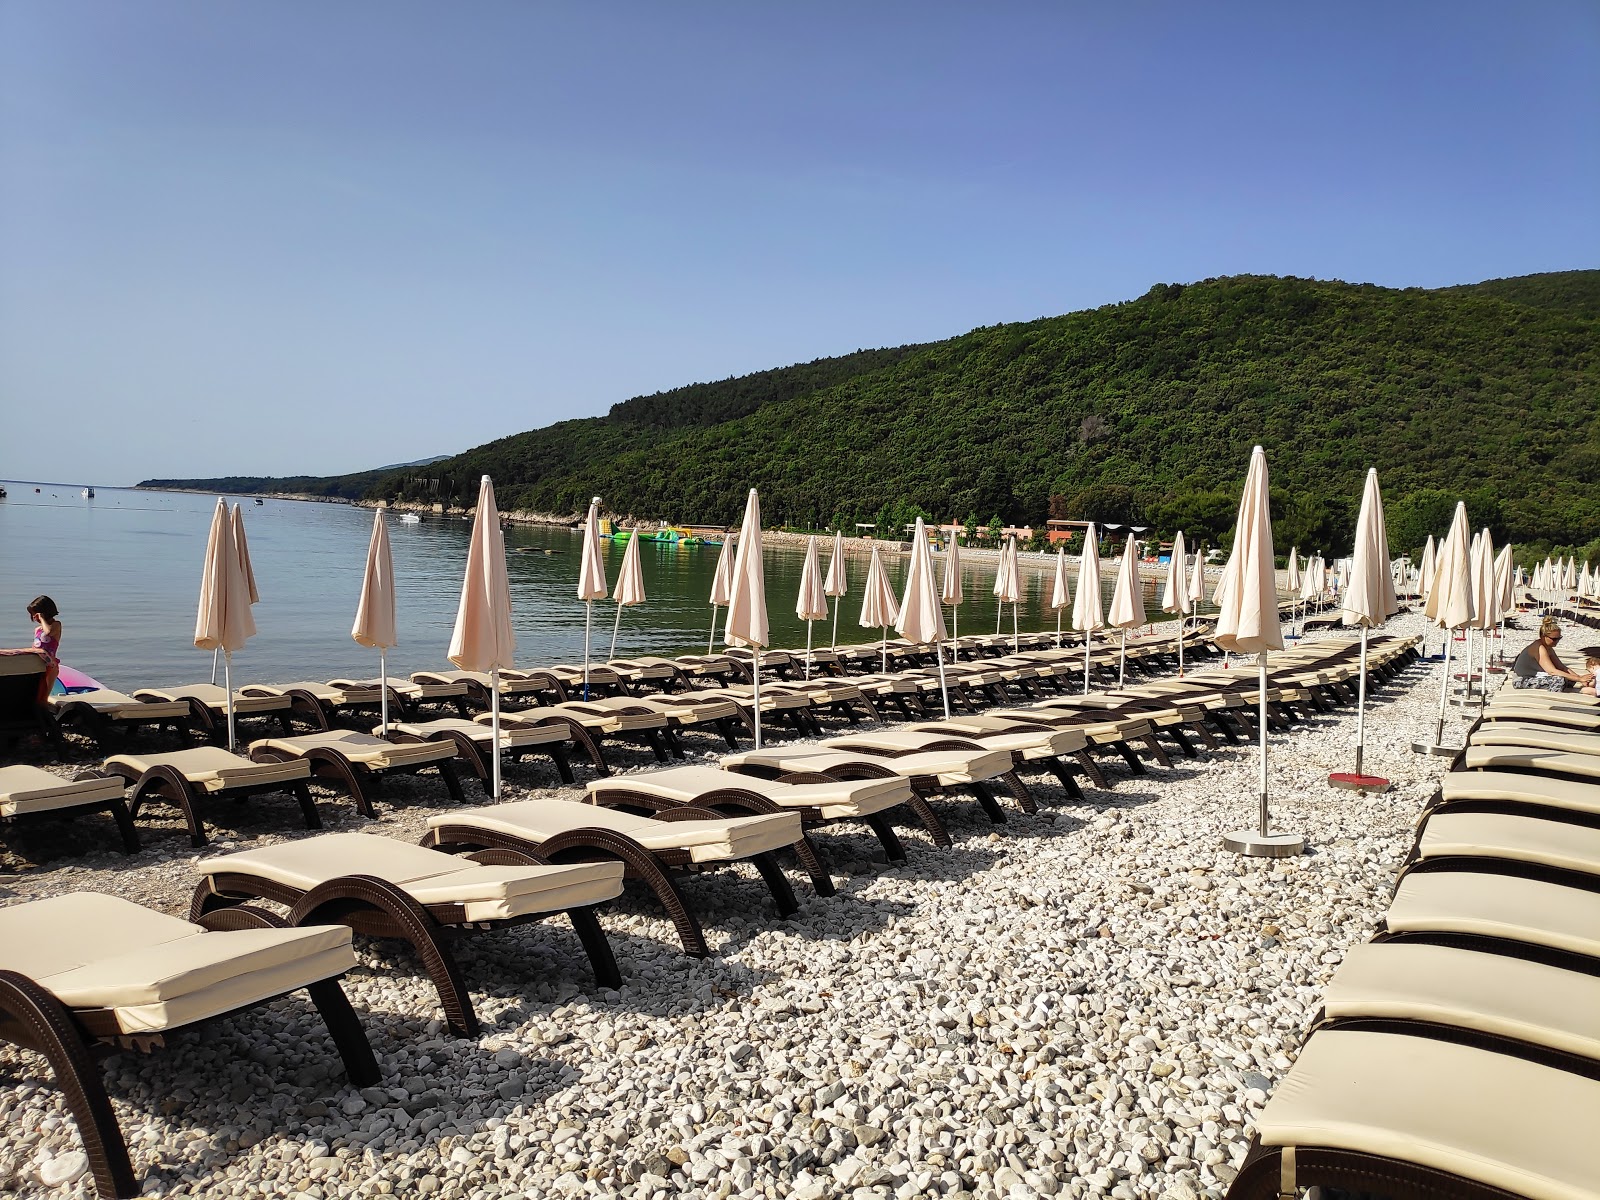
point(163, 782)
point(359, 781)
point(117, 806)
point(109, 732)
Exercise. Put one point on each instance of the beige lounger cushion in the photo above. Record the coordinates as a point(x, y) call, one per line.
point(674, 708)
point(375, 753)
point(427, 876)
point(1527, 758)
point(1540, 698)
point(422, 691)
point(215, 769)
point(332, 693)
point(706, 841)
point(22, 664)
point(508, 685)
point(511, 736)
point(117, 705)
point(1535, 737)
point(836, 801)
point(154, 971)
point(216, 699)
point(1469, 989)
point(1551, 790)
point(27, 789)
point(997, 732)
point(594, 719)
point(953, 768)
point(1498, 906)
point(1492, 1118)
point(1511, 836)
point(1585, 719)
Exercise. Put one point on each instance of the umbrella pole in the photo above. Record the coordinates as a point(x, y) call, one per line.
point(1261, 842)
point(1444, 692)
point(1261, 682)
point(1467, 695)
point(1180, 644)
point(588, 624)
point(615, 625)
point(1087, 635)
point(1015, 646)
point(1361, 701)
point(755, 671)
point(1058, 629)
point(227, 686)
point(944, 691)
point(214, 655)
point(1122, 659)
point(711, 638)
point(883, 662)
point(383, 700)
point(494, 699)
point(808, 647)
point(955, 619)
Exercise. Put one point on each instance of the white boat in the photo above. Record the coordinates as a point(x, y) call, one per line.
point(88, 493)
point(411, 519)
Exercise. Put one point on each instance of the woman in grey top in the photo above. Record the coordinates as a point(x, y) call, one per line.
point(1539, 666)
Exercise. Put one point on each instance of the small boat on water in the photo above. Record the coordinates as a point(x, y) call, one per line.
point(259, 500)
point(88, 493)
point(2, 493)
point(411, 519)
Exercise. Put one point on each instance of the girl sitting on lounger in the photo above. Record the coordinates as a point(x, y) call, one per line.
point(1539, 666)
point(47, 636)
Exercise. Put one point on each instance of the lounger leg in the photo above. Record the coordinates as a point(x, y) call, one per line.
point(1058, 768)
point(1018, 791)
point(167, 784)
point(563, 761)
point(1092, 770)
point(1129, 757)
point(51, 1030)
point(1203, 732)
point(725, 727)
point(930, 820)
point(1156, 752)
point(447, 771)
point(588, 845)
point(308, 806)
point(345, 1027)
point(805, 853)
point(777, 883)
point(119, 813)
point(1184, 744)
point(987, 802)
point(594, 942)
point(892, 849)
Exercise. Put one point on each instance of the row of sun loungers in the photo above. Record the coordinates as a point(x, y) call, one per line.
point(1458, 1054)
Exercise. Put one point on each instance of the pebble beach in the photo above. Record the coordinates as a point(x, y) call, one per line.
point(1093, 1001)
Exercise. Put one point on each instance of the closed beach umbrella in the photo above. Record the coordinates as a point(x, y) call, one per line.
point(1369, 601)
point(1197, 581)
point(951, 593)
point(747, 606)
point(223, 621)
point(1060, 593)
point(812, 603)
point(879, 609)
point(1425, 572)
point(721, 588)
point(921, 617)
point(1449, 606)
point(1087, 615)
point(1248, 624)
point(591, 580)
point(1294, 569)
point(1008, 587)
point(375, 624)
point(1127, 602)
point(483, 639)
point(837, 583)
point(630, 588)
point(241, 547)
point(1175, 597)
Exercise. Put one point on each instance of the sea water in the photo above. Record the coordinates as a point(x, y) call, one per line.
point(124, 569)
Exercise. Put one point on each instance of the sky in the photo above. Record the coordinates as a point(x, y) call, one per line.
point(317, 237)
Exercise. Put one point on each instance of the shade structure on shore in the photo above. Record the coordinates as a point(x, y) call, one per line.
point(1008, 588)
point(1087, 615)
point(951, 592)
point(1248, 623)
point(921, 617)
point(1369, 601)
point(1449, 607)
point(1127, 602)
point(879, 609)
point(812, 603)
point(747, 605)
point(1197, 581)
point(721, 588)
point(1426, 569)
point(1294, 569)
point(241, 547)
point(375, 624)
point(591, 580)
point(1175, 596)
point(483, 639)
point(837, 583)
point(223, 620)
point(1060, 593)
point(629, 590)
point(1485, 611)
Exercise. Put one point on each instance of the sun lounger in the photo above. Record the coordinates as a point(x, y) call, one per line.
point(1526, 760)
point(1403, 1115)
point(185, 777)
point(208, 707)
point(647, 673)
point(321, 705)
point(356, 762)
point(1553, 842)
point(474, 742)
point(415, 696)
point(23, 709)
point(1032, 743)
point(85, 975)
point(106, 715)
point(651, 847)
point(1489, 906)
point(479, 688)
point(1550, 796)
point(386, 888)
point(817, 798)
point(714, 709)
point(30, 793)
point(899, 743)
point(634, 723)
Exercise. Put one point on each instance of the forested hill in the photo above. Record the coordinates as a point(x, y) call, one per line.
point(1144, 411)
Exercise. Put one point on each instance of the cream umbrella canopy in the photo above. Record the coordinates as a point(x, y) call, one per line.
point(1007, 587)
point(223, 620)
point(921, 617)
point(1197, 581)
point(721, 588)
point(1175, 597)
point(1369, 601)
point(241, 547)
point(1087, 615)
point(375, 624)
point(1248, 623)
point(630, 588)
point(591, 579)
point(1127, 602)
point(1426, 569)
point(878, 607)
point(837, 583)
point(1060, 593)
point(747, 606)
point(1449, 607)
point(812, 603)
point(1294, 569)
point(483, 639)
point(951, 593)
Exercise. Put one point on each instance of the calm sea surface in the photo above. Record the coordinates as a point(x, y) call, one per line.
point(124, 568)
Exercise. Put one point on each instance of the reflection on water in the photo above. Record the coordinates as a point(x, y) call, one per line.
point(124, 568)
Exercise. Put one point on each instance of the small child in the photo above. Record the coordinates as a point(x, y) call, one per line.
point(1591, 667)
point(47, 636)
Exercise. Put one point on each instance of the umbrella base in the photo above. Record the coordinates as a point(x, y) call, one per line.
point(1356, 782)
point(1441, 751)
point(1258, 845)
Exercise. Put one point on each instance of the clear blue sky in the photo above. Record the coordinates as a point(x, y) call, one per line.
point(273, 238)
